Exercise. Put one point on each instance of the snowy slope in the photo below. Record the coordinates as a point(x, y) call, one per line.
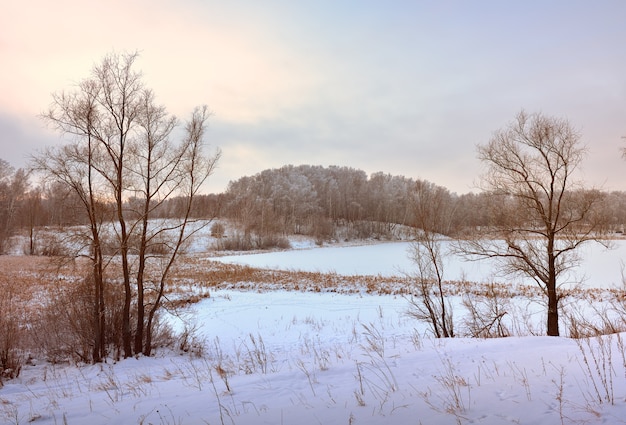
point(310, 358)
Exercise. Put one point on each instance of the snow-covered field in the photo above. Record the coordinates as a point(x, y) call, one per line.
point(278, 357)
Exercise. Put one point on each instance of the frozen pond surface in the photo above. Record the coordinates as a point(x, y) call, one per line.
point(600, 267)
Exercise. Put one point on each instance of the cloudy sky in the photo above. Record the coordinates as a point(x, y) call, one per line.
point(403, 87)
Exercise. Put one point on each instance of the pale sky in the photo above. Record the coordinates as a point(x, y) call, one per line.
point(403, 87)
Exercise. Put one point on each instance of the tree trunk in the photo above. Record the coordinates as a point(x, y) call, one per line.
point(31, 238)
point(126, 332)
point(141, 309)
point(99, 349)
point(96, 357)
point(139, 330)
point(553, 300)
point(553, 312)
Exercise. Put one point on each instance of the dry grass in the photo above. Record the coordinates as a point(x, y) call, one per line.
point(32, 283)
point(213, 274)
point(192, 279)
point(29, 280)
point(34, 277)
point(22, 291)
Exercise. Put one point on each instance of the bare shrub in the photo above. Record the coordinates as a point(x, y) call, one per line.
point(247, 242)
point(110, 245)
point(236, 242)
point(609, 312)
point(370, 229)
point(189, 341)
point(163, 335)
point(523, 321)
point(433, 212)
point(430, 305)
point(218, 230)
point(427, 308)
point(486, 313)
point(11, 358)
point(50, 244)
point(617, 307)
point(323, 230)
point(580, 325)
point(272, 241)
point(65, 327)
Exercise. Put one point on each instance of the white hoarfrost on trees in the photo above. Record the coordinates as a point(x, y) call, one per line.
point(123, 163)
point(333, 203)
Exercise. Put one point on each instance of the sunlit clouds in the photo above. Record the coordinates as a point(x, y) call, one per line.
point(405, 87)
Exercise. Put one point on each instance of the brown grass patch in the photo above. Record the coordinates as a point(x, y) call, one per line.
point(33, 281)
point(207, 273)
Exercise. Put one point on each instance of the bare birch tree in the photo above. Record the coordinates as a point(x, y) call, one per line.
point(73, 165)
point(123, 154)
point(541, 214)
point(162, 170)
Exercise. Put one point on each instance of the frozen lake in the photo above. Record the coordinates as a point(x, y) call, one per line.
point(600, 267)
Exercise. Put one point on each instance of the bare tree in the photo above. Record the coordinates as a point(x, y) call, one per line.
point(13, 187)
point(541, 215)
point(155, 172)
point(123, 155)
point(74, 166)
point(433, 215)
point(164, 170)
point(32, 216)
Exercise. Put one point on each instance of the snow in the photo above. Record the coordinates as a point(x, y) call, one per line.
point(278, 357)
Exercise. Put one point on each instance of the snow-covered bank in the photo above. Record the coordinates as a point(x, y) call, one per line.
point(310, 358)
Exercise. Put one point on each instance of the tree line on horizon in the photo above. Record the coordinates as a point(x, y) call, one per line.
point(327, 203)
